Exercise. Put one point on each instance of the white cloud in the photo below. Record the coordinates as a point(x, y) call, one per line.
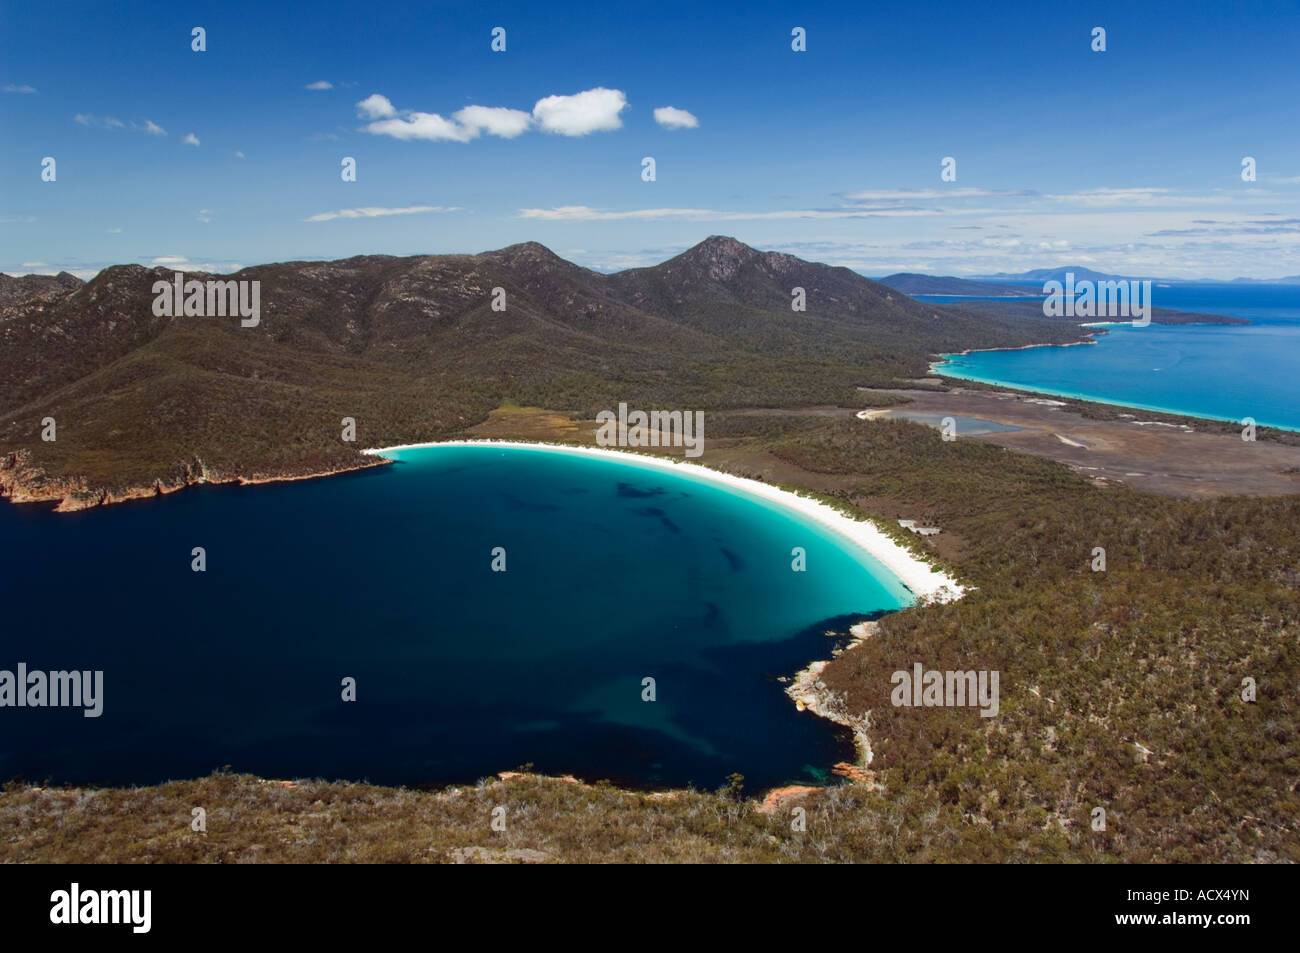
point(592, 110)
point(205, 215)
point(320, 84)
point(98, 122)
point(670, 117)
point(1108, 197)
point(372, 212)
point(428, 126)
point(464, 125)
point(190, 139)
point(207, 265)
point(376, 107)
point(23, 88)
point(35, 264)
point(148, 127)
point(589, 111)
point(494, 120)
point(238, 154)
point(115, 231)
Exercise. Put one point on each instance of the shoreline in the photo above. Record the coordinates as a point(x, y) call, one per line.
point(910, 571)
point(19, 484)
point(936, 368)
point(913, 572)
point(1089, 338)
point(809, 693)
point(1087, 399)
point(923, 581)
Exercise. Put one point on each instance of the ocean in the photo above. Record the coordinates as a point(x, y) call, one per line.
point(1217, 371)
point(615, 573)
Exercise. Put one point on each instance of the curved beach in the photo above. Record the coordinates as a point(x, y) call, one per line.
point(924, 581)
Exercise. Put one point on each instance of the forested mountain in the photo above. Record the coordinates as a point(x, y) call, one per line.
point(413, 349)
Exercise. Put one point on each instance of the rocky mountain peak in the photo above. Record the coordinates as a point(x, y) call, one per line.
point(719, 257)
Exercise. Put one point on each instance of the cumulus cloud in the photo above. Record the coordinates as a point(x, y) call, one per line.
point(376, 107)
point(462, 126)
point(320, 84)
point(670, 117)
point(19, 88)
point(372, 212)
point(593, 110)
point(429, 126)
point(150, 127)
point(494, 120)
point(238, 154)
point(190, 139)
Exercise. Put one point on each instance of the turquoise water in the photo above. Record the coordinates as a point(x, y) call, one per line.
point(614, 573)
point(1215, 371)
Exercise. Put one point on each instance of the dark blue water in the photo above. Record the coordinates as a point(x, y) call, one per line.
point(613, 573)
point(1216, 371)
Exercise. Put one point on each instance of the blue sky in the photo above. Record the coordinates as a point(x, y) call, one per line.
point(1127, 160)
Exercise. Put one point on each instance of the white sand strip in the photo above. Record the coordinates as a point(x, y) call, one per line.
point(922, 579)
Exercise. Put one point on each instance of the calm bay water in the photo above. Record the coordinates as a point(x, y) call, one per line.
point(1218, 371)
point(615, 572)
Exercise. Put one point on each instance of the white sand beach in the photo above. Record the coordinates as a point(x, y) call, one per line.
point(913, 571)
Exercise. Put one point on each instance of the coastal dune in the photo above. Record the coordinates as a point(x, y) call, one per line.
point(924, 581)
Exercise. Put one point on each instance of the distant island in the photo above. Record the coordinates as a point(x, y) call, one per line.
point(1033, 307)
point(914, 284)
point(1057, 274)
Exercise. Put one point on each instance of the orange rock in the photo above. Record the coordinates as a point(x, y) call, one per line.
point(778, 796)
point(855, 773)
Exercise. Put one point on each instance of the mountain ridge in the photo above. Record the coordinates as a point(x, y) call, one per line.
point(413, 349)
